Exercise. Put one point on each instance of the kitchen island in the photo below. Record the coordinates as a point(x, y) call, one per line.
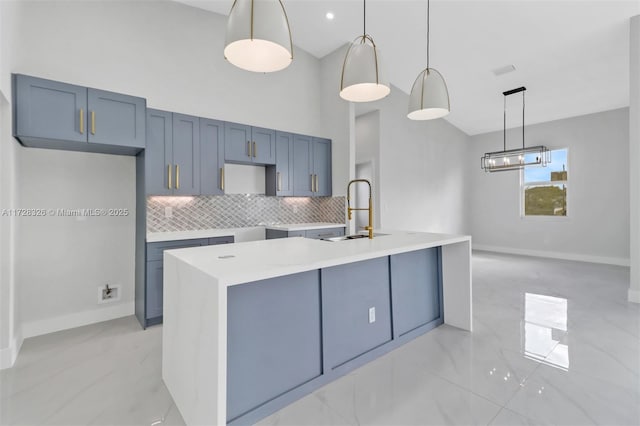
point(251, 327)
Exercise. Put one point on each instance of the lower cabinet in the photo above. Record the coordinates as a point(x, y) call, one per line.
point(415, 289)
point(289, 335)
point(356, 309)
point(274, 339)
point(153, 291)
point(309, 233)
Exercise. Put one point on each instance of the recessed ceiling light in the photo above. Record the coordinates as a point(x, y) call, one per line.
point(330, 16)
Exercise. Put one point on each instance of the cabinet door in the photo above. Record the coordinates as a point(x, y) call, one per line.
point(49, 109)
point(153, 293)
point(284, 163)
point(237, 143)
point(116, 119)
point(349, 293)
point(264, 145)
point(318, 234)
point(302, 166)
point(186, 155)
point(158, 161)
point(273, 339)
point(211, 157)
point(415, 289)
point(322, 166)
point(214, 241)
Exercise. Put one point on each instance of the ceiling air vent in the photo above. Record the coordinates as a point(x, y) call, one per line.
point(503, 70)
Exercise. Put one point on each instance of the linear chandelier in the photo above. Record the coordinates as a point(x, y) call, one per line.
point(514, 159)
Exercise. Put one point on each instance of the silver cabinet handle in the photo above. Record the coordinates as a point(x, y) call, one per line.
point(279, 180)
point(248, 148)
point(222, 178)
point(255, 149)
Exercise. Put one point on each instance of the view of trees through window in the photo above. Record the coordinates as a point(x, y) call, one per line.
point(544, 189)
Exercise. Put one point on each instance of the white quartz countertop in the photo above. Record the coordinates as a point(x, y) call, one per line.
point(244, 262)
point(304, 226)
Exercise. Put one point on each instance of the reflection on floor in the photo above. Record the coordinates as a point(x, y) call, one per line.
point(555, 342)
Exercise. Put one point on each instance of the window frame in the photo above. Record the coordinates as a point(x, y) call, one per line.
point(524, 185)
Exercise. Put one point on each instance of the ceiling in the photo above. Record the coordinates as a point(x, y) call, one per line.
point(573, 56)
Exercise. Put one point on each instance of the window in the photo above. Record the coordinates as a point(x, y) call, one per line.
point(544, 189)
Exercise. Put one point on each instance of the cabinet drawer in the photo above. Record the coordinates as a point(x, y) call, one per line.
point(227, 239)
point(155, 250)
point(324, 233)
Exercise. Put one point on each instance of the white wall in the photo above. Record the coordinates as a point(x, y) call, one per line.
point(634, 157)
point(10, 332)
point(597, 226)
point(368, 151)
point(169, 53)
point(422, 170)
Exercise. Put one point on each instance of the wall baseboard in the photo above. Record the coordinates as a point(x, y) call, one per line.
point(8, 355)
point(634, 296)
point(555, 255)
point(65, 322)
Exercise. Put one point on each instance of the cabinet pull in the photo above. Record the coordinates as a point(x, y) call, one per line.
point(169, 176)
point(93, 122)
point(81, 121)
point(177, 176)
point(248, 148)
point(255, 149)
point(311, 182)
point(222, 178)
point(279, 180)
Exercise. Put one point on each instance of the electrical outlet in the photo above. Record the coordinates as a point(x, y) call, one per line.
point(109, 293)
point(168, 211)
point(372, 315)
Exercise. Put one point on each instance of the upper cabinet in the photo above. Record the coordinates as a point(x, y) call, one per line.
point(50, 114)
point(172, 157)
point(249, 145)
point(279, 178)
point(311, 166)
point(211, 157)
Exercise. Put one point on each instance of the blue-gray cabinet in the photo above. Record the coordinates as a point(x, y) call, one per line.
point(172, 157)
point(322, 167)
point(158, 156)
point(211, 157)
point(315, 234)
point(151, 312)
point(279, 178)
point(311, 166)
point(51, 114)
point(415, 289)
point(249, 145)
point(274, 339)
point(186, 154)
point(356, 310)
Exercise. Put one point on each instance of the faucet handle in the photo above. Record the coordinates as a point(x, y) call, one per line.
point(366, 228)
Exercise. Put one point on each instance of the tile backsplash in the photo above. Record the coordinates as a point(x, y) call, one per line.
point(239, 210)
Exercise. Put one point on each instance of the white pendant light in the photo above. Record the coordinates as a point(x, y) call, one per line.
point(258, 36)
point(429, 96)
point(362, 75)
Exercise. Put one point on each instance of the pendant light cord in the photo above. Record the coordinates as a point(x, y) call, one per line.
point(504, 127)
point(428, 26)
point(364, 18)
point(523, 120)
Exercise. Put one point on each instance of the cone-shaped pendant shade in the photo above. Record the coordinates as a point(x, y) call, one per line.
point(258, 36)
point(363, 79)
point(429, 96)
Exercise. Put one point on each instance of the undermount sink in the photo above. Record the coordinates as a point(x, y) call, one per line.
point(351, 237)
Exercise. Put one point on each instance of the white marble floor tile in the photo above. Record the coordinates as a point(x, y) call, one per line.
point(394, 392)
point(308, 411)
point(552, 395)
